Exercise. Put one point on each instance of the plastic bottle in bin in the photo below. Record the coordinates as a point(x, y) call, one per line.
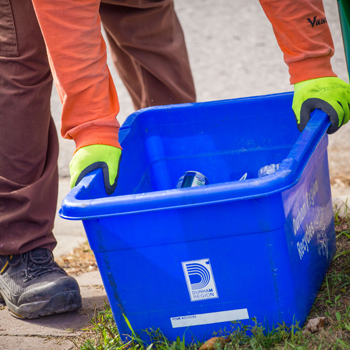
point(192, 179)
point(268, 170)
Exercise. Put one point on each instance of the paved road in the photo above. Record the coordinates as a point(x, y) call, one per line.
point(233, 53)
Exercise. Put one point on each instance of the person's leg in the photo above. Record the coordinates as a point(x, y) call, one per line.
point(149, 51)
point(31, 283)
point(28, 139)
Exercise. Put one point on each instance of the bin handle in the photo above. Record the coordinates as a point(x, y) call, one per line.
point(314, 131)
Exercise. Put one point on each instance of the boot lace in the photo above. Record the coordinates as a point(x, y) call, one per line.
point(36, 266)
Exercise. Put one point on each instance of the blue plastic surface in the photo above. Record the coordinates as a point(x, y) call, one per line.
point(195, 259)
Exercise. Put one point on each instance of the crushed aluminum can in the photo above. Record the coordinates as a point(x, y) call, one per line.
point(192, 179)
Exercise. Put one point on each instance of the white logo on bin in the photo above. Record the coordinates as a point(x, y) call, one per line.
point(200, 279)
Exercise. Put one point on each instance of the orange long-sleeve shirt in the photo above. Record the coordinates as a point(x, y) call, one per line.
point(302, 33)
point(78, 61)
point(77, 56)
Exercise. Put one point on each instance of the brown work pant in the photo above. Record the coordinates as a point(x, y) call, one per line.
point(154, 68)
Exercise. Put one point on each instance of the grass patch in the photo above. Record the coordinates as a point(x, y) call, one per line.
point(332, 302)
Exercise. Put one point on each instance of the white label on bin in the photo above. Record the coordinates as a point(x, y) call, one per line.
point(213, 317)
point(200, 279)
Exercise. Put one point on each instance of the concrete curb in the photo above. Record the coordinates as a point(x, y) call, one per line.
point(69, 234)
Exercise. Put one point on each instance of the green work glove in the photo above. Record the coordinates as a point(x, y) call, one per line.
point(92, 157)
point(330, 94)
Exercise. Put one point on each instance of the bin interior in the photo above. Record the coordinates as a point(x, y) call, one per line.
point(223, 140)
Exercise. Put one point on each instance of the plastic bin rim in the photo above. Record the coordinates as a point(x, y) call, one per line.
point(287, 176)
point(129, 120)
point(86, 203)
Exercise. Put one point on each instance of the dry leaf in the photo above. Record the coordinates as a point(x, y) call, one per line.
point(214, 343)
point(81, 260)
point(315, 325)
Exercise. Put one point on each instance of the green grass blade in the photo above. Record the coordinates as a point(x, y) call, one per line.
point(340, 254)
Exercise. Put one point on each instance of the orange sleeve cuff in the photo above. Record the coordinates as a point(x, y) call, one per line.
point(97, 135)
point(310, 68)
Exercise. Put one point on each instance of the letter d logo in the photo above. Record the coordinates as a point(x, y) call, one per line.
point(200, 279)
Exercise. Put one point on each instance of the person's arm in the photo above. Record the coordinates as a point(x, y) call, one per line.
point(78, 61)
point(302, 32)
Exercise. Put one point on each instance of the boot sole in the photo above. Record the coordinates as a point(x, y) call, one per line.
point(59, 303)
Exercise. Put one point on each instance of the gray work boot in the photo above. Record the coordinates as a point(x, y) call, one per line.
point(33, 285)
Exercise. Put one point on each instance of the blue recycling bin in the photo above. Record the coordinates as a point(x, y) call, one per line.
point(192, 260)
